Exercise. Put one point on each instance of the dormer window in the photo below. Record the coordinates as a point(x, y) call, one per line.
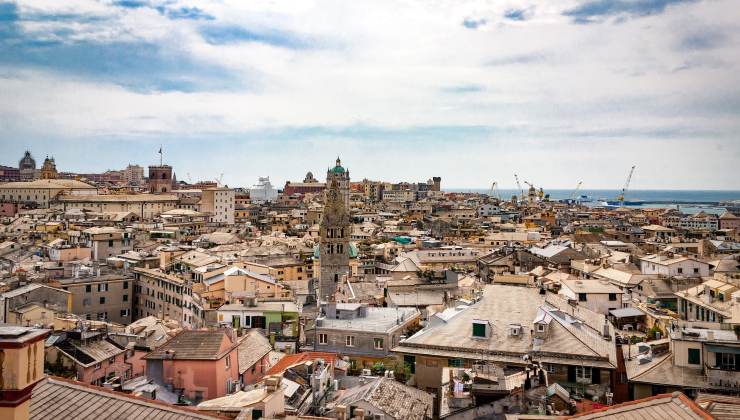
point(480, 329)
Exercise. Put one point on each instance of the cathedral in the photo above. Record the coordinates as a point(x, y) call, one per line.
point(334, 233)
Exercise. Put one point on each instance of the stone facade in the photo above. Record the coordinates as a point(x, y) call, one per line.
point(334, 250)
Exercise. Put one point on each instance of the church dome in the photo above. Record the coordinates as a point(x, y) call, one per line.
point(27, 162)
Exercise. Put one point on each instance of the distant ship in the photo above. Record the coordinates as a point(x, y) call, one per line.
point(614, 203)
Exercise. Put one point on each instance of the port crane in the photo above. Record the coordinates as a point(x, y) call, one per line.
point(620, 197)
point(519, 187)
point(494, 191)
point(575, 191)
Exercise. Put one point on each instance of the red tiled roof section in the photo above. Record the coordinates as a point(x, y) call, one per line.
point(194, 345)
point(295, 359)
point(81, 400)
point(610, 410)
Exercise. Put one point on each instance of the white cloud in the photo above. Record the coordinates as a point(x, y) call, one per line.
point(391, 64)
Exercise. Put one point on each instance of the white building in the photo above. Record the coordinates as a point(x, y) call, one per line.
point(597, 295)
point(219, 202)
point(263, 191)
point(399, 196)
point(667, 265)
point(134, 174)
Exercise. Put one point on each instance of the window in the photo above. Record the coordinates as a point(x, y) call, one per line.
point(378, 343)
point(456, 363)
point(540, 327)
point(125, 298)
point(228, 361)
point(349, 341)
point(583, 372)
point(612, 296)
point(110, 243)
point(97, 366)
point(479, 329)
point(102, 300)
point(696, 271)
point(694, 356)
point(549, 368)
point(582, 297)
point(102, 287)
point(88, 288)
point(728, 361)
point(323, 339)
point(125, 285)
point(86, 302)
point(124, 312)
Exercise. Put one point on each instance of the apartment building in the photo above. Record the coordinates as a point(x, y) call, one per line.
point(673, 266)
point(599, 296)
point(42, 192)
point(146, 206)
point(220, 203)
point(165, 296)
point(107, 242)
point(364, 334)
point(107, 297)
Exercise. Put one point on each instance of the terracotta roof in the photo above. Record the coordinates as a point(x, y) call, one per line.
point(291, 360)
point(192, 344)
point(674, 406)
point(63, 398)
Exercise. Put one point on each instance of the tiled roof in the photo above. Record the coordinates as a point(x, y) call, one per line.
point(253, 347)
point(291, 360)
point(392, 397)
point(192, 344)
point(57, 398)
point(674, 406)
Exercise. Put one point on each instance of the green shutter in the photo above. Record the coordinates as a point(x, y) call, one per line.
point(479, 330)
point(694, 356)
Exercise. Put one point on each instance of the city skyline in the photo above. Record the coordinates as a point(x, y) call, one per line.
point(469, 91)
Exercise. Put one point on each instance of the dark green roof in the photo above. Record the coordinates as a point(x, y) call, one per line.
point(337, 169)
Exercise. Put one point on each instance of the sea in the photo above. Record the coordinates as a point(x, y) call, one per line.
point(687, 201)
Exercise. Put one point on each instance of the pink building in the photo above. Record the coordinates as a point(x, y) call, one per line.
point(90, 355)
point(198, 364)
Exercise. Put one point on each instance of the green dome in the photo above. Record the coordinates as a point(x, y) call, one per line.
point(338, 170)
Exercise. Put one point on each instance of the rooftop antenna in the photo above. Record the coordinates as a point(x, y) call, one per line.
point(160, 155)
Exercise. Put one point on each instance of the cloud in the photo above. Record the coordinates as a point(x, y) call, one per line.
point(705, 39)
point(592, 11)
point(142, 67)
point(233, 34)
point(516, 14)
point(465, 88)
point(193, 13)
point(472, 23)
point(516, 59)
point(131, 4)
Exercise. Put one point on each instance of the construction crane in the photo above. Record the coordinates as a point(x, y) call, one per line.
point(620, 197)
point(219, 180)
point(190, 180)
point(533, 192)
point(519, 186)
point(575, 191)
point(494, 191)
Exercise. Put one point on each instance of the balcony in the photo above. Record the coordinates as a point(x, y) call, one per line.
point(724, 379)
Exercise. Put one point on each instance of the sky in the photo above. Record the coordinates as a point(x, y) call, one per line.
point(470, 90)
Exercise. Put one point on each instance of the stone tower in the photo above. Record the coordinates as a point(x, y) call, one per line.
point(341, 176)
point(334, 248)
point(160, 179)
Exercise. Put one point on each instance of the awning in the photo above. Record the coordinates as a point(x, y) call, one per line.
point(723, 349)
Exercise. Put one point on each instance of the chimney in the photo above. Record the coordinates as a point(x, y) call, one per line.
point(359, 414)
point(17, 344)
point(341, 412)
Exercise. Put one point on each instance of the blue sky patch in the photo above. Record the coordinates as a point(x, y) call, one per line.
point(593, 11)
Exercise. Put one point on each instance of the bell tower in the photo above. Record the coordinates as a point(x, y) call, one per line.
point(334, 248)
